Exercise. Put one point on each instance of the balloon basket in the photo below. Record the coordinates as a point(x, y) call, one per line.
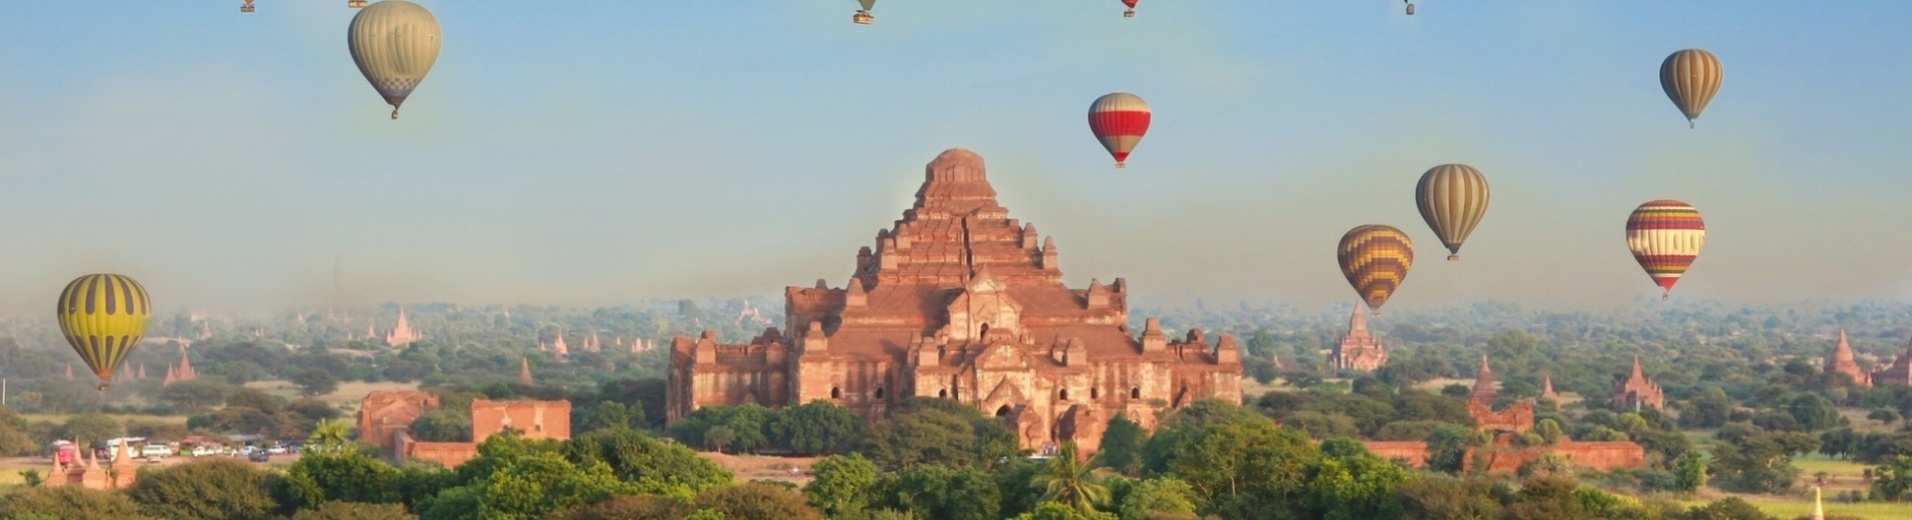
point(1453, 258)
point(245, 8)
point(1119, 166)
point(355, 4)
point(1128, 14)
point(862, 17)
point(1410, 9)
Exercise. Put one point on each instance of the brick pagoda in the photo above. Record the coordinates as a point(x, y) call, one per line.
point(1359, 350)
point(959, 301)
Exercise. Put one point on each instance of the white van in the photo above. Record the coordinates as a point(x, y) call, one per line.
point(155, 450)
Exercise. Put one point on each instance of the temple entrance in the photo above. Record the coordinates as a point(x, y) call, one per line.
point(1004, 411)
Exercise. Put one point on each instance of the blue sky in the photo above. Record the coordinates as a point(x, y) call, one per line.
point(599, 152)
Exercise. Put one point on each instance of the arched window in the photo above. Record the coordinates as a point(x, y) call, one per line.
point(1004, 411)
point(879, 392)
point(1135, 392)
point(942, 394)
point(1094, 393)
point(836, 393)
point(1063, 394)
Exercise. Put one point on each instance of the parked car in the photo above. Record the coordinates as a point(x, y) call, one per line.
point(259, 456)
point(276, 450)
point(156, 450)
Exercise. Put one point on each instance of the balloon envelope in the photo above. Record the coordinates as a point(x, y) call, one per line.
point(1690, 78)
point(394, 43)
point(1665, 237)
point(1131, 3)
point(1452, 199)
point(103, 316)
point(1375, 258)
point(867, 4)
point(1119, 120)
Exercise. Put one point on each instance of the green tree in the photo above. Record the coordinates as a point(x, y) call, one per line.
point(1071, 481)
point(207, 489)
point(648, 462)
point(197, 394)
point(1323, 426)
point(534, 485)
point(628, 507)
point(1814, 413)
point(346, 475)
point(718, 436)
point(329, 435)
point(1158, 496)
point(1442, 497)
point(355, 511)
point(1122, 446)
point(1350, 483)
point(1730, 508)
point(937, 431)
point(1057, 511)
point(314, 382)
point(1246, 468)
point(757, 500)
point(69, 502)
point(938, 492)
point(92, 427)
point(1892, 481)
point(1885, 416)
point(1710, 409)
point(612, 414)
point(814, 428)
point(1549, 431)
point(442, 425)
point(1690, 472)
point(841, 484)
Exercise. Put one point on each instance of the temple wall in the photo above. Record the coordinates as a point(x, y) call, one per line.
point(1412, 452)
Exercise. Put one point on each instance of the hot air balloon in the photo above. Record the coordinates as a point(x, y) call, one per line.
point(247, 7)
point(1375, 258)
point(1665, 236)
point(1691, 77)
point(355, 4)
point(863, 16)
point(1410, 6)
point(1119, 120)
point(1131, 12)
point(394, 43)
point(103, 316)
point(1452, 198)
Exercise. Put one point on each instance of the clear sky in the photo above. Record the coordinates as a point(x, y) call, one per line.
point(599, 152)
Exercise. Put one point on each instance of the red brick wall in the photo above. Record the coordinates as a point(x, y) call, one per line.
point(386, 412)
point(449, 454)
point(532, 419)
point(1602, 456)
point(1413, 452)
point(1516, 418)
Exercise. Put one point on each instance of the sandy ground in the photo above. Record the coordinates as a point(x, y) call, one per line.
point(762, 467)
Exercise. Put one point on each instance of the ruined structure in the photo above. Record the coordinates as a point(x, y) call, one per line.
point(182, 372)
point(1517, 418)
point(1841, 362)
point(1486, 391)
point(385, 418)
point(960, 301)
point(1359, 350)
point(1636, 390)
point(86, 471)
point(1898, 373)
point(1506, 425)
point(402, 334)
point(1546, 388)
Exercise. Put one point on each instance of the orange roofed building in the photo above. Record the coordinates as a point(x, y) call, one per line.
point(960, 301)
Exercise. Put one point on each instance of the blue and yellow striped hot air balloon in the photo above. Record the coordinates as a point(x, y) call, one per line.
point(1375, 258)
point(103, 316)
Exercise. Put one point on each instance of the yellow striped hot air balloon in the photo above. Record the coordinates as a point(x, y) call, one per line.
point(394, 43)
point(103, 316)
point(1375, 258)
point(1690, 78)
point(1452, 198)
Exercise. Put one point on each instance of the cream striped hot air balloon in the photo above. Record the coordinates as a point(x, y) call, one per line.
point(1665, 237)
point(394, 43)
point(1690, 78)
point(1452, 198)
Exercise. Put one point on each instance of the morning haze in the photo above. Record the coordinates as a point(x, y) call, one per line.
point(563, 159)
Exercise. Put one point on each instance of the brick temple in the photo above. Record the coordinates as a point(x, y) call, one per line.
point(959, 301)
point(1358, 350)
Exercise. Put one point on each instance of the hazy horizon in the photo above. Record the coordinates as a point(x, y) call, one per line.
point(608, 153)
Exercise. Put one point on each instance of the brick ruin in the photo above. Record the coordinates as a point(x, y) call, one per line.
point(1898, 373)
point(1636, 390)
point(959, 301)
point(385, 418)
point(1502, 454)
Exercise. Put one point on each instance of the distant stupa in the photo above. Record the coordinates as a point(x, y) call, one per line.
point(524, 371)
point(559, 345)
point(402, 334)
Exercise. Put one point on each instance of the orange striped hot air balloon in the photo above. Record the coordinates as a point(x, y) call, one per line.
point(1119, 120)
point(1665, 237)
point(1690, 78)
point(103, 316)
point(1375, 258)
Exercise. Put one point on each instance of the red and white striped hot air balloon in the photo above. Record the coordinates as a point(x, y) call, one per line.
point(1665, 237)
point(1119, 120)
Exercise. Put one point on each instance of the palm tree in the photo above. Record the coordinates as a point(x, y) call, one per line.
point(330, 434)
point(1070, 481)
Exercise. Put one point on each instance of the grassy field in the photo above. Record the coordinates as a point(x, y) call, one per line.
point(1788, 508)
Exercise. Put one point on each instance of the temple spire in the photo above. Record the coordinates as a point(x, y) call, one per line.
point(524, 371)
point(1484, 391)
